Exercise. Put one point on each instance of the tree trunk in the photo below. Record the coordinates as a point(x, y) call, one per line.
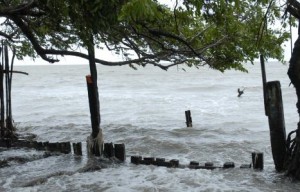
point(95, 141)
point(95, 110)
point(2, 108)
point(293, 145)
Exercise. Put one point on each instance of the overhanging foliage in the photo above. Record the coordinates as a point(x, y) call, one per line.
point(220, 33)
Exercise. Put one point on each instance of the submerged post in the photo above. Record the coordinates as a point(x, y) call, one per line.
point(77, 148)
point(188, 118)
point(120, 152)
point(258, 161)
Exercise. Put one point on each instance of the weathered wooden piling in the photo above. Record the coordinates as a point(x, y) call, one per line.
point(245, 166)
point(120, 152)
point(39, 146)
point(174, 163)
point(188, 118)
point(51, 147)
point(68, 147)
point(65, 147)
point(148, 161)
point(274, 110)
point(160, 161)
point(77, 148)
point(209, 164)
point(109, 150)
point(45, 145)
point(193, 164)
point(258, 161)
point(136, 159)
point(228, 165)
point(276, 123)
point(205, 167)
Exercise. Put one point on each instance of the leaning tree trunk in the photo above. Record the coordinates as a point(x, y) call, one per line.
point(293, 145)
point(95, 141)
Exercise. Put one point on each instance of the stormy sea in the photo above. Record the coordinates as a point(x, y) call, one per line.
point(144, 109)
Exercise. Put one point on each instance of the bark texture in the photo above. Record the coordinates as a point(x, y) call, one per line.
point(293, 145)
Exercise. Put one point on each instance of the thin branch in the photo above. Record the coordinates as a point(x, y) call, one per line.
point(175, 16)
point(213, 44)
point(169, 35)
point(263, 24)
point(9, 71)
point(199, 34)
point(18, 9)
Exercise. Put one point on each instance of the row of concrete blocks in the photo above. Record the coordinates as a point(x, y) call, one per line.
point(193, 164)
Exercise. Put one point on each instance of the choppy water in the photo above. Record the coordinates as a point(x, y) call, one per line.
point(145, 110)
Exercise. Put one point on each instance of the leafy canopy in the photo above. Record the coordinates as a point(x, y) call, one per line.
point(220, 33)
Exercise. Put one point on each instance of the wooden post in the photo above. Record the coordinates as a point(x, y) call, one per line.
point(264, 82)
point(109, 150)
point(51, 147)
point(209, 164)
point(44, 144)
point(194, 163)
point(120, 152)
point(174, 163)
point(245, 166)
point(258, 161)
point(228, 165)
point(39, 146)
point(65, 147)
point(77, 149)
point(160, 161)
point(276, 124)
point(148, 160)
point(188, 118)
point(136, 159)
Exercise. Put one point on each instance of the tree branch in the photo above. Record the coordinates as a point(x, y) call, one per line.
point(20, 9)
point(169, 35)
point(20, 72)
point(44, 52)
point(5, 35)
point(31, 37)
point(293, 7)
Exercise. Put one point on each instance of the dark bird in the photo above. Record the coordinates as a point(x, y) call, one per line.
point(240, 92)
